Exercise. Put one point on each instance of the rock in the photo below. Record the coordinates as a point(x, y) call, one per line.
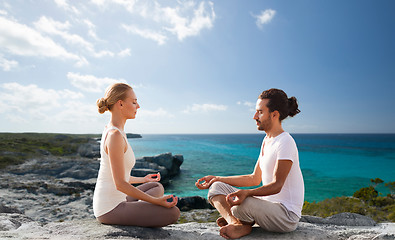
point(11, 221)
point(142, 168)
point(133, 135)
point(89, 150)
point(167, 164)
point(344, 219)
point(58, 167)
point(195, 202)
point(164, 159)
point(17, 226)
point(5, 209)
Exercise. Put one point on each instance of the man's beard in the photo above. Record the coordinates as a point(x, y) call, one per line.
point(265, 125)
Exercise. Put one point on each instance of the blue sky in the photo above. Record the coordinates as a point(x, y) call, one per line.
point(197, 66)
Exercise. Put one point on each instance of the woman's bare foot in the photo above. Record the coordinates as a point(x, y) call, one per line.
point(232, 231)
point(221, 222)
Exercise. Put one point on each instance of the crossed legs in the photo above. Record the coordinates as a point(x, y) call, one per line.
point(231, 227)
point(237, 221)
point(139, 213)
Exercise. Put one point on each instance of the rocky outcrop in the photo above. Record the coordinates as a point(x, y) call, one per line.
point(89, 150)
point(167, 164)
point(343, 219)
point(53, 188)
point(18, 226)
point(194, 202)
point(133, 135)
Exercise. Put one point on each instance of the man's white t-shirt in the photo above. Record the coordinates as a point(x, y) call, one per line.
point(283, 147)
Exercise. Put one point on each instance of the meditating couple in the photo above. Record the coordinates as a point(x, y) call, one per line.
point(274, 206)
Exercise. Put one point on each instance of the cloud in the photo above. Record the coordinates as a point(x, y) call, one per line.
point(90, 83)
point(7, 65)
point(205, 108)
point(28, 98)
point(185, 27)
point(246, 103)
point(92, 29)
point(50, 108)
point(22, 40)
point(250, 105)
point(265, 17)
point(52, 27)
point(125, 53)
point(64, 4)
point(146, 33)
point(186, 19)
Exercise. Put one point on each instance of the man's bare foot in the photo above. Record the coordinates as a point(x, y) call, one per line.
point(232, 231)
point(221, 222)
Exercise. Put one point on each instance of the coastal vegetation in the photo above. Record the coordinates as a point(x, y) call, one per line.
point(15, 148)
point(366, 201)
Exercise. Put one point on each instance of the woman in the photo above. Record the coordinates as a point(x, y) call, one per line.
point(115, 200)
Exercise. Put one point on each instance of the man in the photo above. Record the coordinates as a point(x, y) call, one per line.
point(277, 204)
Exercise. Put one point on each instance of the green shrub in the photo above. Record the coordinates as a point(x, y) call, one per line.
point(367, 194)
point(391, 211)
point(329, 207)
point(383, 201)
point(9, 160)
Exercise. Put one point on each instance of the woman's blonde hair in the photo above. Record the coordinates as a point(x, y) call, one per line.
point(113, 94)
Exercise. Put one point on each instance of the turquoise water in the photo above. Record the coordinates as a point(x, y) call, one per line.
point(332, 164)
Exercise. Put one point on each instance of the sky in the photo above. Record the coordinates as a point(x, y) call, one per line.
point(197, 66)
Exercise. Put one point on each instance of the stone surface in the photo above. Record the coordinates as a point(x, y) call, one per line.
point(17, 226)
point(345, 219)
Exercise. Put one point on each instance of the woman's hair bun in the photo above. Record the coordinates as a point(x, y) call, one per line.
point(102, 105)
point(293, 106)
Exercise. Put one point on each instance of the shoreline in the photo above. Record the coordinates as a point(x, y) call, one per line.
point(64, 191)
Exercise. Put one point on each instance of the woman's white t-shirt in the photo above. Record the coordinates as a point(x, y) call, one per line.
point(106, 196)
point(283, 147)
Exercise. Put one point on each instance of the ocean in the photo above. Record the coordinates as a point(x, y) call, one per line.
point(332, 164)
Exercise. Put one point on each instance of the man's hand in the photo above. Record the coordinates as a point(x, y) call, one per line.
point(205, 182)
point(236, 198)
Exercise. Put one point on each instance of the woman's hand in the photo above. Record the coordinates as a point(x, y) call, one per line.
point(168, 201)
point(205, 182)
point(237, 197)
point(152, 177)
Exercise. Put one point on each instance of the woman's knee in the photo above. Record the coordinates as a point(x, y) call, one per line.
point(155, 189)
point(159, 186)
point(174, 214)
point(168, 216)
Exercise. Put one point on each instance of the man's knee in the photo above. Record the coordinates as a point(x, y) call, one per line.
point(216, 189)
point(216, 186)
point(244, 211)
